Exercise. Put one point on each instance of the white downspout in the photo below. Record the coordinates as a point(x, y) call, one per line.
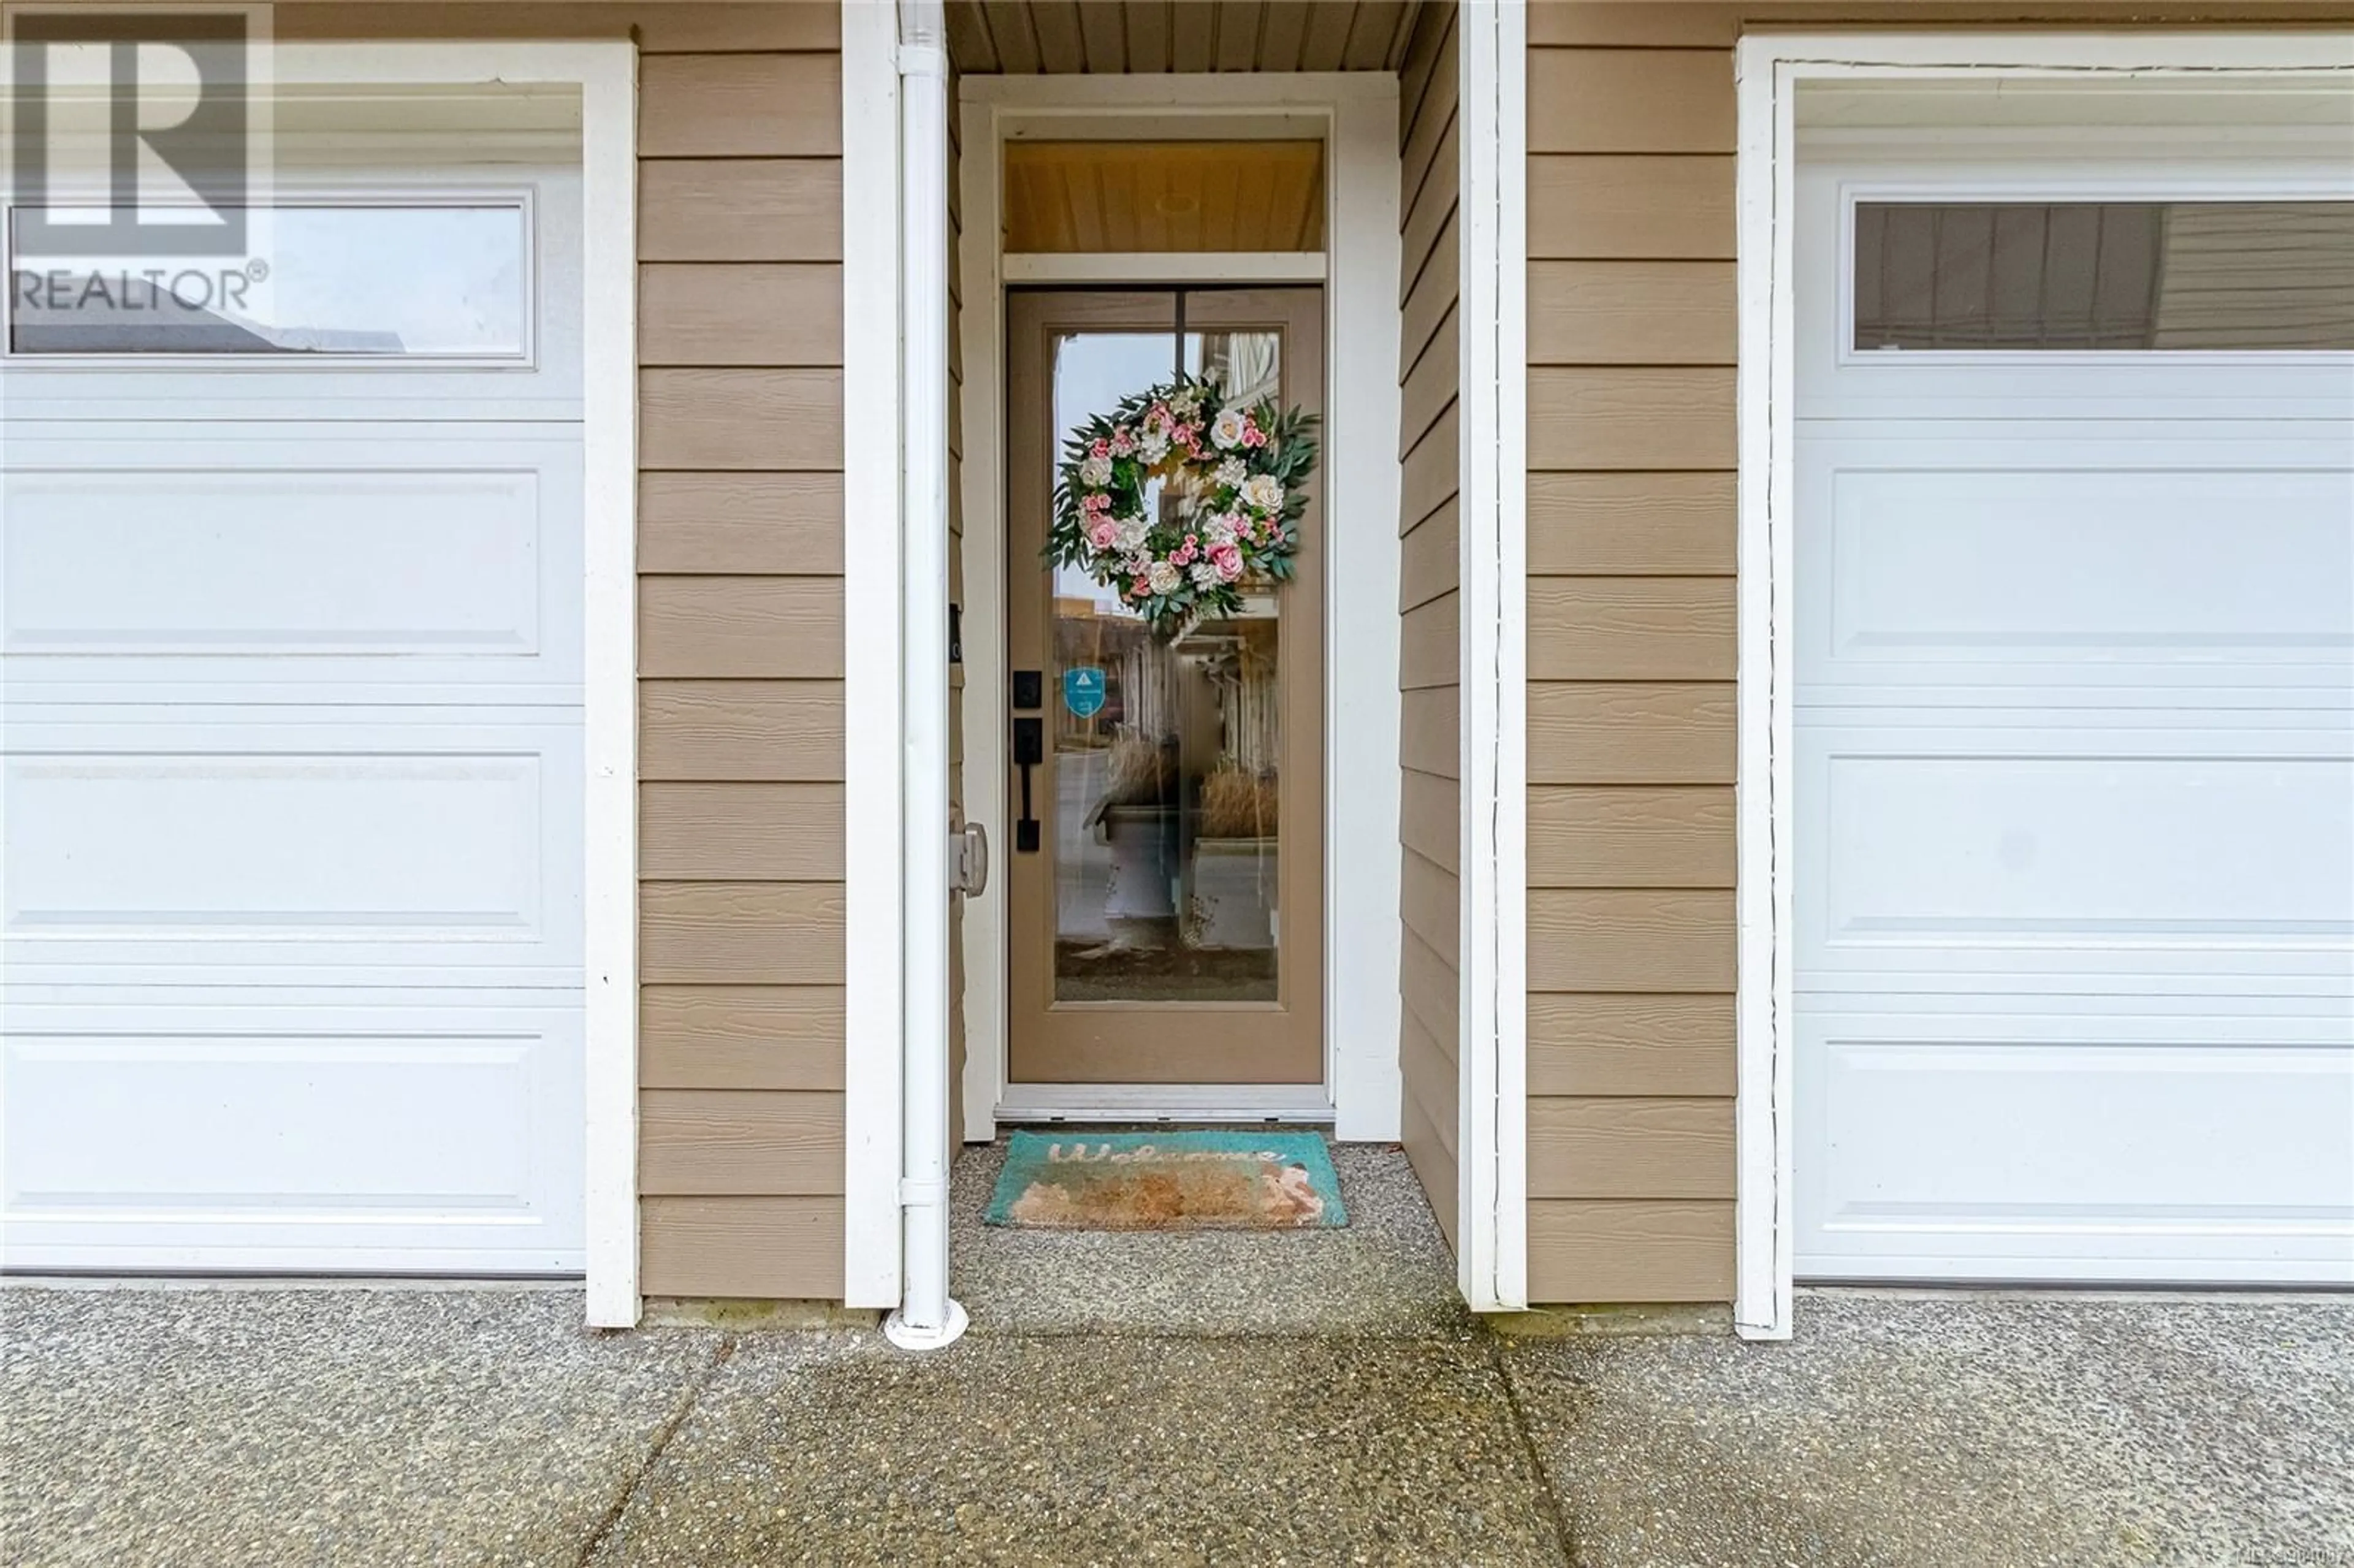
point(926, 1317)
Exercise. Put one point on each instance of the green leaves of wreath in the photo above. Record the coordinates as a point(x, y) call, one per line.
point(1244, 467)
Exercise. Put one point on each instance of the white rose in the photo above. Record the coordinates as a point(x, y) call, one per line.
point(1164, 577)
point(1096, 472)
point(1262, 494)
point(1226, 430)
point(1204, 575)
point(1131, 534)
point(1231, 472)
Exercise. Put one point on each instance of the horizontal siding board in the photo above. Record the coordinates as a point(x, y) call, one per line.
point(753, 628)
point(1630, 100)
point(740, 1037)
point(1659, 1044)
point(1433, 992)
point(739, 419)
point(1431, 299)
point(1430, 735)
point(739, 1142)
point(1623, 23)
point(789, 1248)
point(740, 523)
point(1432, 1166)
point(1630, 417)
point(740, 832)
point(1429, 390)
point(1430, 816)
point(739, 933)
point(739, 210)
point(1430, 901)
point(1635, 940)
point(661, 27)
point(1632, 313)
point(785, 730)
point(757, 313)
point(1630, 733)
point(1429, 212)
point(1429, 559)
point(1620, 1249)
point(1631, 628)
point(1432, 473)
point(1659, 524)
point(739, 106)
point(1638, 209)
point(1630, 836)
point(1630, 1146)
point(1428, 1078)
point(1418, 156)
point(1429, 645)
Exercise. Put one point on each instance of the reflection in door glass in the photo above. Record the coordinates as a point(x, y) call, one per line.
point(1165, 755)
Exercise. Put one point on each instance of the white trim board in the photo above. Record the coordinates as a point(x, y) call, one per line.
point(1491, 1264)
point(873, 761)
point(1356, 114)
point(1770, 70)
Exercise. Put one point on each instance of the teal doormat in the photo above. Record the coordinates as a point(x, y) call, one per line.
point(1167, 1182)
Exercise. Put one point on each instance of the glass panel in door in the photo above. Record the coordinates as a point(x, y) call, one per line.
point(1176, 895)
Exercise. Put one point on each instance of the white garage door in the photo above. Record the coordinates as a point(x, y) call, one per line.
point(2074, 726)
point(293, 763)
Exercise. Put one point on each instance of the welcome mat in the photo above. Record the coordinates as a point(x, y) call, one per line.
point(1167, 1182)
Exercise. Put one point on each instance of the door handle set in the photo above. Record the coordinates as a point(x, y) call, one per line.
point(1029, 752)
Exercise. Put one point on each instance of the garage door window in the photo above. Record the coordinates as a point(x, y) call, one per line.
point(2217, 275)
point(443, 281)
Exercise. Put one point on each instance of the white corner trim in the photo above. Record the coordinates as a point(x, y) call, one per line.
point(874, 928)
point(1769, 68)
point(1357, 114)
point(608, 199)
point(1492, 66)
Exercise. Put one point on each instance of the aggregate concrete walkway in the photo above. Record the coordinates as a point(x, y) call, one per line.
point(1118, 1403)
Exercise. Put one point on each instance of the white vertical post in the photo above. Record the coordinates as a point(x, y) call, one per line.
point(1493, 1137)
point(926, 1317)
point(1762, 1107)
point(609, 194)
point(873, 930)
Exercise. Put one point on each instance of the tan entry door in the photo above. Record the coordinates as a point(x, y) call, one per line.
point(1169, 926)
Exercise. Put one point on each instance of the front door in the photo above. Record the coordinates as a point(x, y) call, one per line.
point(1167, 925)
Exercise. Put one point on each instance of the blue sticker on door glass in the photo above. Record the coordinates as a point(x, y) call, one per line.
point(1083, 691)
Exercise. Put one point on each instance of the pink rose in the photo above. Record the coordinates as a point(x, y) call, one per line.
point(1104, 535)
point(1101, 448)
point(1228, 560)
point(1252, 435)
point(1123, 441)
point(1139, 589)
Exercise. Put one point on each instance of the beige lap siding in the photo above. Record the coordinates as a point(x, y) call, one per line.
point(1430, 793)
point(740, 541)
point(1631, 637)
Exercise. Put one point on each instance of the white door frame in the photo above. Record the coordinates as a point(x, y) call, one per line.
point(1356, 115)
point(1771, 69)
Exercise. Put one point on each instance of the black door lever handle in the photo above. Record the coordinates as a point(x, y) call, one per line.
point(1028, 751)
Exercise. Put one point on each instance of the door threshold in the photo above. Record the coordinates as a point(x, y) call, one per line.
point(1310, 1103)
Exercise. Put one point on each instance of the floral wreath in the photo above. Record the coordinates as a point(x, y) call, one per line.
point(1248, 465)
